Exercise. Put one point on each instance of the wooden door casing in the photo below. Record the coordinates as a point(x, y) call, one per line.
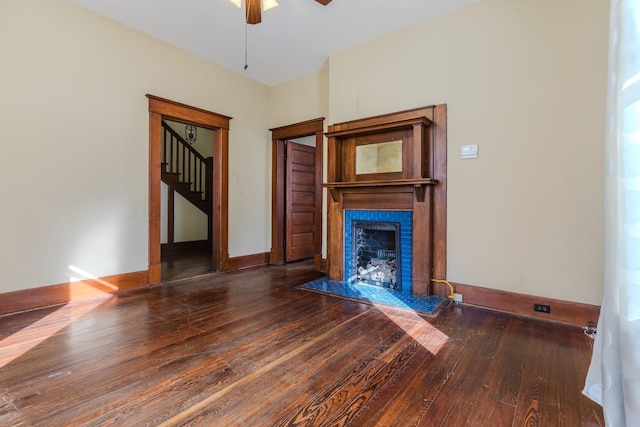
point(159, 109)
point(279, 135)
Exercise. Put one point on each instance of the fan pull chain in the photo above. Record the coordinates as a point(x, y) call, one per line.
point(246, 64)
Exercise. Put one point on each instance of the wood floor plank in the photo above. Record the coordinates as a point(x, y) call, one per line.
point(471, 378)
point(253, 381)
point(249, 349)
point(242, 362)
point(350, 387)
point(515, 348)
point(327, 354)
point(375, 380)
point(410, 393)
point(487, 409)
point(528, 409)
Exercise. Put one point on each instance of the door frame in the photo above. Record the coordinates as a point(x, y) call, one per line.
point(278, 176)
point(160, 108)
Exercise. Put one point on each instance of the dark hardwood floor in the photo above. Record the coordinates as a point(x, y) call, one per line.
point(248, 349)
point(179, 266)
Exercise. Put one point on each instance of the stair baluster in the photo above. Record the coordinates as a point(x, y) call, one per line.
point(185, 170)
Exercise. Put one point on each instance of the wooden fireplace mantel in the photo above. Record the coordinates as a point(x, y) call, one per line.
point(417, 185)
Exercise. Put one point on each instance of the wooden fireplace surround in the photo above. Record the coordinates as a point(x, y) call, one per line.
point(420, 187)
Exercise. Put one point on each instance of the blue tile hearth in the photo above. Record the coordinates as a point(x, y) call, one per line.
point(376, 295)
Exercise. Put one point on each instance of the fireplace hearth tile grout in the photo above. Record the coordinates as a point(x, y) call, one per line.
point(377, 295)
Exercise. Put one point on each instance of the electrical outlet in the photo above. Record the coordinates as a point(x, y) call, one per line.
point(457, 298)
point(542, 308)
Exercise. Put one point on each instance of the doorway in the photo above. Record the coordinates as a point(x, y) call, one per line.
point(296, 220)
point(162, 109)
point(186, 208)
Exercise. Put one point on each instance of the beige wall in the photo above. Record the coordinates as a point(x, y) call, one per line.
point(299, 100)
point(189, 222)
point(302, 99)
point(75, 83)
point(526, 81)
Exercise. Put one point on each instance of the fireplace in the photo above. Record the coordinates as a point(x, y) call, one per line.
point(386, 181)
point(378, 248)
point(376, 255)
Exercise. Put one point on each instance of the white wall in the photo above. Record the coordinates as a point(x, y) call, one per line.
point(526, 81)
point(75, 83)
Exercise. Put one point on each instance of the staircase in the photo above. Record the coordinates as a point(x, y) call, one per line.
point(186, 171)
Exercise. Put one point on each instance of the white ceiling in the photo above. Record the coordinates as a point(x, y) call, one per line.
point(294, 39)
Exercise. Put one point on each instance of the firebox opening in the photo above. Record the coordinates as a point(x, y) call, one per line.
point(376, 254)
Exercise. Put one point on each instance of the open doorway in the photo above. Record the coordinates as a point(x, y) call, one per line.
point(164, 110)
point(186, 230)
point(296, 222)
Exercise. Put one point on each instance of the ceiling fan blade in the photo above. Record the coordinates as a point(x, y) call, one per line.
point(324, 2)
point(254, 11)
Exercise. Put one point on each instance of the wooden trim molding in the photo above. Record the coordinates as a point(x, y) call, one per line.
point(570, 312)
point(186, 113)
point(385, 120)
point(64, 293)
point(296, 130)
point(160, 108)
point(278, 137)
point(249, 261)
point(421, 186)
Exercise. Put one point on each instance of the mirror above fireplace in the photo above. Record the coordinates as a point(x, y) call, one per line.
point(380, 157)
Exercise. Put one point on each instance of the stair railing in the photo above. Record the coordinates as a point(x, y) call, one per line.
point(180, 157)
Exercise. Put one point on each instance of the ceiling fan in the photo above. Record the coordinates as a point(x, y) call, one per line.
point(254, 8)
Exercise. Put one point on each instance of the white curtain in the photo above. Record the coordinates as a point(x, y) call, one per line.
point(613, 379)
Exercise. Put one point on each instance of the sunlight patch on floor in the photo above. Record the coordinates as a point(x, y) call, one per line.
point(31, 336)
point(403, 309)
point(82, 284)
point(423, 332)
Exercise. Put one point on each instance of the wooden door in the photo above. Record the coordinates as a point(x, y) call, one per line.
point(300, 195)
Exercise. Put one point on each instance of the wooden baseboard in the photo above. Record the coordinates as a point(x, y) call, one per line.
point(155, 274)
point(64, 293)
point(320, 263)
point(574, 313)
point(249, 261)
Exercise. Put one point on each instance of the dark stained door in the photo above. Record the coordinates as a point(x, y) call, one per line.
point(300, 202)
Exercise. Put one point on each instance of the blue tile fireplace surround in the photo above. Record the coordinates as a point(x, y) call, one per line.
point(404, 252)
point(353, 287)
